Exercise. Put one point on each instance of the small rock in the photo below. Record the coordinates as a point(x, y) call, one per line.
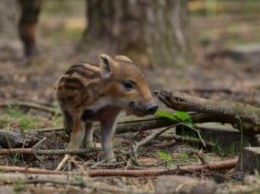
point(184, 185)
point(249, 160)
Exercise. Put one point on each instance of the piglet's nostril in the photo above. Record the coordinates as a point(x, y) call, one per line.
point(132, 104)
point(151, 109)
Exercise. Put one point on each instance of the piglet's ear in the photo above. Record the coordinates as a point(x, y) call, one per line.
point(123, 58)
point(106, 64)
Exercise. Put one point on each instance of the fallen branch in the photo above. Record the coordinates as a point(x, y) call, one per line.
point(227, 164)
point(241, 116)
point(26, 170)
point(156, 172)
point(47, 152)
point(51, 129)
point(149, 138)
point(147, 123)
point(63, 162)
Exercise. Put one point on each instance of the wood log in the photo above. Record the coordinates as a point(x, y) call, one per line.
point(243, 117)
point(12, 139)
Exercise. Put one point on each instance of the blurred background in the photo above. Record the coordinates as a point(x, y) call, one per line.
point(208, 48)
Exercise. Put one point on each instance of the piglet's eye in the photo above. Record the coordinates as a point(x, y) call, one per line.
point(128, 84)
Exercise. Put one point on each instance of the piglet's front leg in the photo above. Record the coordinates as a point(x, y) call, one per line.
point(108, 125)
point(77, 135)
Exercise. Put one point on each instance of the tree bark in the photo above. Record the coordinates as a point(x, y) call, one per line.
point(9, 41)
point(242, 116)
point(150, 32)
point(30, 10)
point(7, 19)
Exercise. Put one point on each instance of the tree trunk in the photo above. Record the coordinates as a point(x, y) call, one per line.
point(7, 19)
point(9, 41)
point(151, 32)
point(30, 10)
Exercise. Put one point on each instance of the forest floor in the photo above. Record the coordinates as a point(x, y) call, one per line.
point(210, 74)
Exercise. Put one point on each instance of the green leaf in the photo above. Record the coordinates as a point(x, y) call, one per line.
point(176, 116)
point(166, 114)
point(183, 116)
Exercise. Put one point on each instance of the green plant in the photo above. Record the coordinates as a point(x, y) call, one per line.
point(166, 157)
point(16, 118)
point(19, 185)
point(225, 151)
point(25, 123)
point(13, 112)
point(183, 157)
point(16, 158)
point(181, 116)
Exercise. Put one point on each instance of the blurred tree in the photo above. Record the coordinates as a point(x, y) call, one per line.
point(7, 19)
point(151, 32)
point(30, 10)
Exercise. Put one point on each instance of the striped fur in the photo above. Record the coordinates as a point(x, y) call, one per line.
point(88, 92)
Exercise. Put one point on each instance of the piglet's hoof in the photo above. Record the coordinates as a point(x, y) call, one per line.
point(111, 159)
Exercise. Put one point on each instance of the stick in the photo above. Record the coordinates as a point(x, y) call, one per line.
point(150, 137)
point(156, 172)
point(51, 129)
point(47, 152)
point(62, 162)
point(134, 173)
point(39, 143)
point(152, 122)
point(26, 170)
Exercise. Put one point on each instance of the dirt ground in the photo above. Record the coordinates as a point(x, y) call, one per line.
point(208, 74)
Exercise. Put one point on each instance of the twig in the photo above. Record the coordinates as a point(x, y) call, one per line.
point(47, 152)
point(51, 129)
point(39, 143)
point(133, 173)
point(132, 153)
point(203, 160)
point(150, 137)
point(155, 172)
point(26, 170)
point(98, 163)
point(63, 162)
point(198, 133)
point(143, 142)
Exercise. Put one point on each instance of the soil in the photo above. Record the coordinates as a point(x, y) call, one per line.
point(218, 78)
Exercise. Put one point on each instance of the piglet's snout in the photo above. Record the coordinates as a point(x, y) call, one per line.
point(151, 109)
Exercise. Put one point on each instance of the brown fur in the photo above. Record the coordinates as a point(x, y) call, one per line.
point(89, 93)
